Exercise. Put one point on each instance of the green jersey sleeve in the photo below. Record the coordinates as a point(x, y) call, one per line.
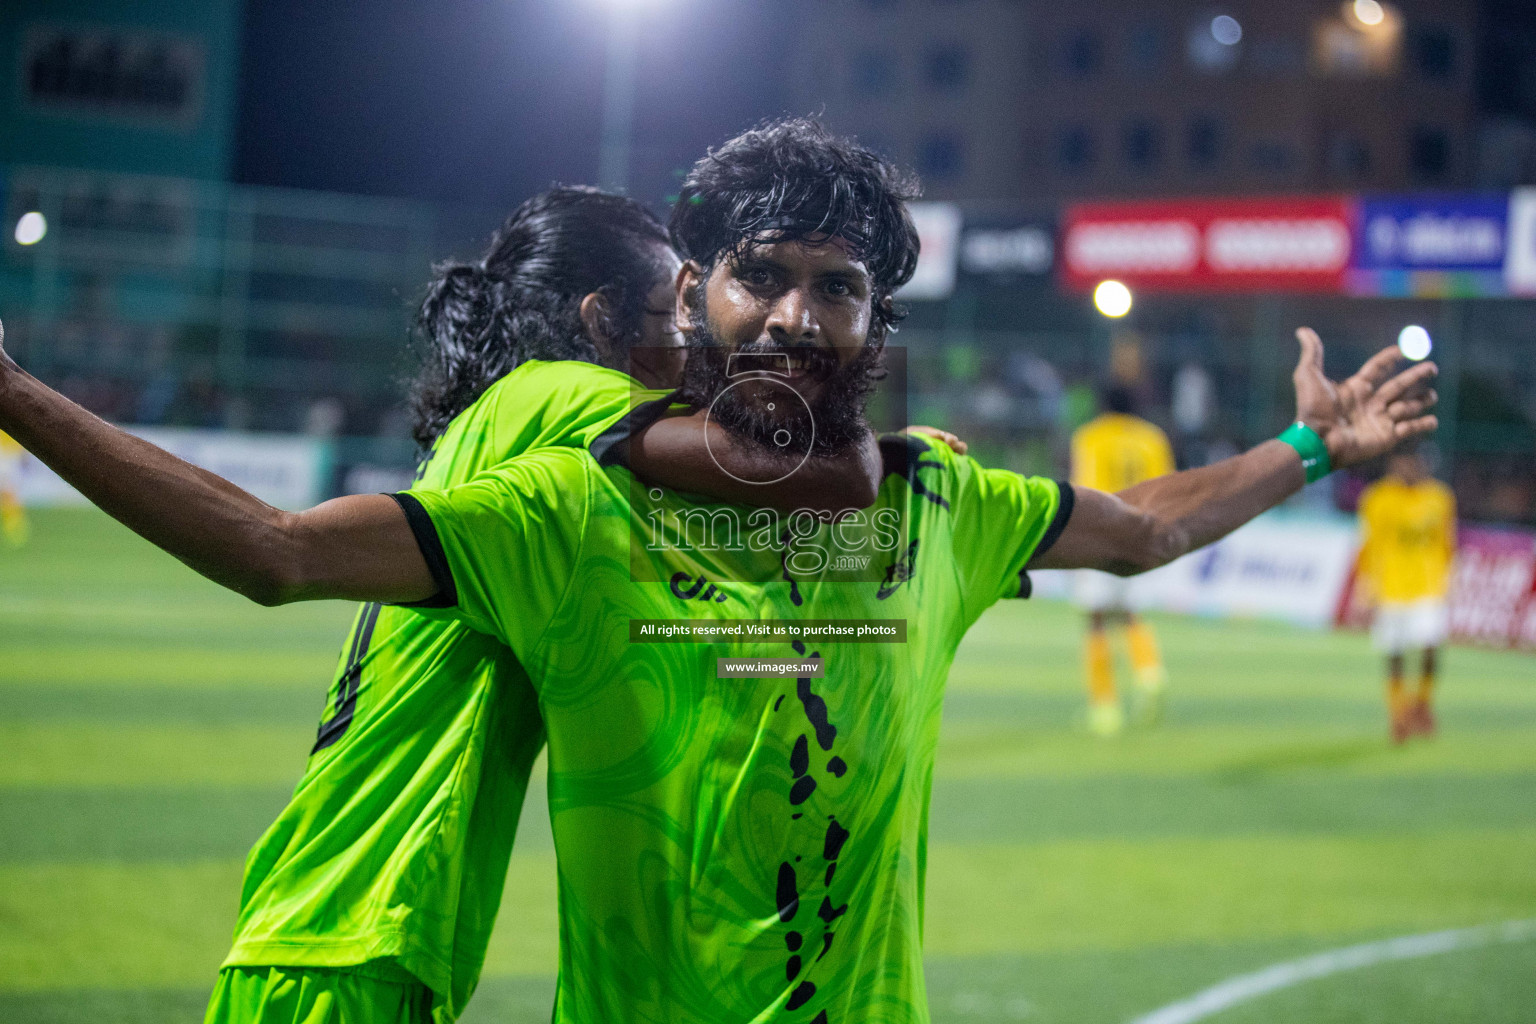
point(504, 547)
point(539, 404)
point(1001, 520)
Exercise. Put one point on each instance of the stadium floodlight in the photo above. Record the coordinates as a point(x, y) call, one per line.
point(1112, 298)
point(1413, 341)
point(619, 91)
point(1368, 12)
point(1226, 30)
point(31, 228)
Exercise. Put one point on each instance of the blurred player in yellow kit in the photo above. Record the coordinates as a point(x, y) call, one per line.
point(13, 518)
point(1115, 450)
point(1408, 526)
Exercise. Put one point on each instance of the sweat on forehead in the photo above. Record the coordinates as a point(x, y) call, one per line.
point(766, 243)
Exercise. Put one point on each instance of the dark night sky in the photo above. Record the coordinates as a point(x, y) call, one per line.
point(484, 102)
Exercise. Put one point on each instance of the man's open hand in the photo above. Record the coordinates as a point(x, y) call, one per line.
point(1370, 413)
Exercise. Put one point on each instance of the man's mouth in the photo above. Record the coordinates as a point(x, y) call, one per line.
point(793, 364)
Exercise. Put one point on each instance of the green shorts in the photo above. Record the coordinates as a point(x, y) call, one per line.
point(316, 995)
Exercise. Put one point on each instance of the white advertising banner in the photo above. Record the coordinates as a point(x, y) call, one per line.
point(1520, 254)
point(285, 470)
point(938, 230)
point(1278, 568)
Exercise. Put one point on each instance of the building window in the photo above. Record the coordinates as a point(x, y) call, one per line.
point(1074, 149)
point(1203, 142)
point(1145, 47)
point(1277, 56)
point(1142, 142)
point(1434, 54)
point(874, 74)
point(113, 73)
point(1212, 45)
point(1084, 52)
point(1429, 153)
point(940, 156)
point(1272, 157)
point(948, 67)
point(1348, 156)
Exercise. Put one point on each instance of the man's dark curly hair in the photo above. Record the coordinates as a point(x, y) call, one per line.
point(793, 179)
point(522, 299)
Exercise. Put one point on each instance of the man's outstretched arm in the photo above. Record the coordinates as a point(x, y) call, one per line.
point(1159, 520)
point(358, 548)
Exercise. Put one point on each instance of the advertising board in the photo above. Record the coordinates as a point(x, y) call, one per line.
point(938, 230)
point(1432, 246)
point(1023, 249)
point(288, 471)
point(1275, 567)
point(1264, 245)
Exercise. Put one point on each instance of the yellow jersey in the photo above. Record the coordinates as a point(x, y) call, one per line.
point(1408, 539)
point(7, 445)
point(1114, 451)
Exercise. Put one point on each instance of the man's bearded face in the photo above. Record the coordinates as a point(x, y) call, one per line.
point(781, 346)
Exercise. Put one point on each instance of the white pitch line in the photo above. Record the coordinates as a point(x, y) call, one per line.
point(1244, 987)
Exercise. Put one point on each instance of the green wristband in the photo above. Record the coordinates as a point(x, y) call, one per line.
point(1312, 449)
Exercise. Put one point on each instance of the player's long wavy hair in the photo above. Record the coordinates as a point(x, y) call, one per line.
point(793, 179)
point(522, 299)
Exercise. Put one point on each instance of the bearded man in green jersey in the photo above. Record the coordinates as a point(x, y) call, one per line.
point(373, 894)
point(740, 848)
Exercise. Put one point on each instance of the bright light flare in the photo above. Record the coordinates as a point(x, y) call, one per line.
point(31, 228)
point(1226, 30)
point(1112, 298)
point(1369, 12)
point(1413, 342)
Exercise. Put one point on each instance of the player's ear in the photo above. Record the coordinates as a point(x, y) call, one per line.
point(597, 321)
point(690, 278)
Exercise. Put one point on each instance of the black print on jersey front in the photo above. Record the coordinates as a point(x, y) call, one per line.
point(898, 572)
point(794, 587)
point(787, 893)
point(679, 580)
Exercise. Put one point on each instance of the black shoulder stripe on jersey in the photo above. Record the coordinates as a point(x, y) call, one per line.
point(1059, 520)
point(447, 595)
point(1052, 534)
point(611, 448)
point(901, 455)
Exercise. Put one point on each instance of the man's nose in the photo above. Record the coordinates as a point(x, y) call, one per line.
point(792, 321)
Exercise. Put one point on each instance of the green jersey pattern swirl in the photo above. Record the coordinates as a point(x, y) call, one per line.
point(733, 849)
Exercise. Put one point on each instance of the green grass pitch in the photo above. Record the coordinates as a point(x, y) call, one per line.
point(152, 724)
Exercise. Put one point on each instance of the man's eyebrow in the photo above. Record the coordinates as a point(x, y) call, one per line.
point(757, 257)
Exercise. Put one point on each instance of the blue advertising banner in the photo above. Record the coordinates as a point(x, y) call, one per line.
point(1429, 246)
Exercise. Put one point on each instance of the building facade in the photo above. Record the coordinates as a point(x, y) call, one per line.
point(1008, 103)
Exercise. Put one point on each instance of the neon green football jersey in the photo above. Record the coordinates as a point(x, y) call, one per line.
point(735, 849)
point(395, 845)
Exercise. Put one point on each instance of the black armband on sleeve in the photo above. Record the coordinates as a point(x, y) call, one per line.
point(447, 595)
point(1052, 534)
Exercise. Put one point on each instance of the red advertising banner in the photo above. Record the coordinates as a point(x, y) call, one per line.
point(1287, 244)
point(1493, 590)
